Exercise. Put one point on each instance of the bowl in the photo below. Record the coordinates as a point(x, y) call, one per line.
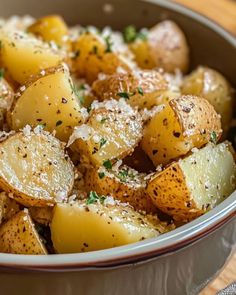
point(181, 262)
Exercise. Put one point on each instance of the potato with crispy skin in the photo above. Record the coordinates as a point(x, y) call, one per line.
point(35, 168)
point(195, 184)
point(18, 236)
point(51, 28)
point(94, 55)
point(109, 134)
point(83, 227)
point(211, 85)
point(123, 183)
point(24, 55)
point(8, 207)
point(183, 123)
point(139, 88)
point(50, 100)
point(165, 47)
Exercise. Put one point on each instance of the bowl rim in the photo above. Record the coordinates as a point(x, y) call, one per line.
point(133, 253)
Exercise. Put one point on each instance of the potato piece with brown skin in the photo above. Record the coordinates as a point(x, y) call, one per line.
point(6, 99)
point(51, 100)
point(82, 227)
point(51, 28)
point(109, 134)
point(124, 184)
point(41, 215)
point(24, 55)
point(94, 55)
point(211, 85)
point(8, 207)
point(166, 47)
point(18, 236)
point(35, 168)
point(140, 88)
point(190, 187)
point(183, 123)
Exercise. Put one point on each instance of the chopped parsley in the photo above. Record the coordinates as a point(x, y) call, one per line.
point(101, 175)
point(78, 91)
point(104, 120)
point(140, 90)
point(130, 34)
point(213, 137)
point(124, 174)
point(58, 123)
point(109, 44)
point(102, 142)
point(94, 197)
point(107, 164)
point(1, 73)
point(125, 95)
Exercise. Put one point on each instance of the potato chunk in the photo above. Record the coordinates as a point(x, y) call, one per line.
point(124, 184)
point(42, 215)
point(18, 236)
point(80, 227)
point(182, 124)
point(165, 47)
point(24, 55)
point(6, 98)
point(51, 28)
point(140, 88)
point(8, 207)
point(196, 184)
point(109, 134)
point(211, 85)
point(51, 101)
point(94, 55)
point(35, 168)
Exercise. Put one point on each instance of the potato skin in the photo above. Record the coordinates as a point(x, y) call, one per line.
point(50, 101)
point(18, 236)
point(166, 47)
point(8, 207)
point(127, 189)
point(92, 57)
point(34, 169)
point(24, 55)
point(120, 129)
point(211, 85)
point(51, 28)
point(81, 228)
point(41, 215)
point(143, 87)
point(190, 187)
point(183, 123)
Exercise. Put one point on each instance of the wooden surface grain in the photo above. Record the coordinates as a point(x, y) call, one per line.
point(223, 12)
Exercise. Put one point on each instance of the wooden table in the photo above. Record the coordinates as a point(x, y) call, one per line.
point(223, 12)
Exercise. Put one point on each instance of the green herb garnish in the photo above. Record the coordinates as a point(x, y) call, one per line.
point(94, 197)
point(213, 137)
point(102, 142)
point(78, 91)
point(109, 44)
point(124, 174)
point(140, 90)
point(104, 120)
point(1, 73)
point(107, 164)
point(125, 95)
point(130, 34)
point(101, 175)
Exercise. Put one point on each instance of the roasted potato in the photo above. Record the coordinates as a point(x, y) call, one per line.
point(124, 184)
point(196, 184)
point(139, 88)
point(6, 98)
point(79, 227)
point(18, 236)
point(24, 55)
point(35, 169)
point(211, 85)
point(165, 47)
point(109, 134)
point(50, 100)
point(94, 54)
point(41, 215)
point(8, 207)
point(183, 123)
point(51, 28)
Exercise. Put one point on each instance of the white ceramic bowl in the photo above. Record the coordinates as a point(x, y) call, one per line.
point(177, 263)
